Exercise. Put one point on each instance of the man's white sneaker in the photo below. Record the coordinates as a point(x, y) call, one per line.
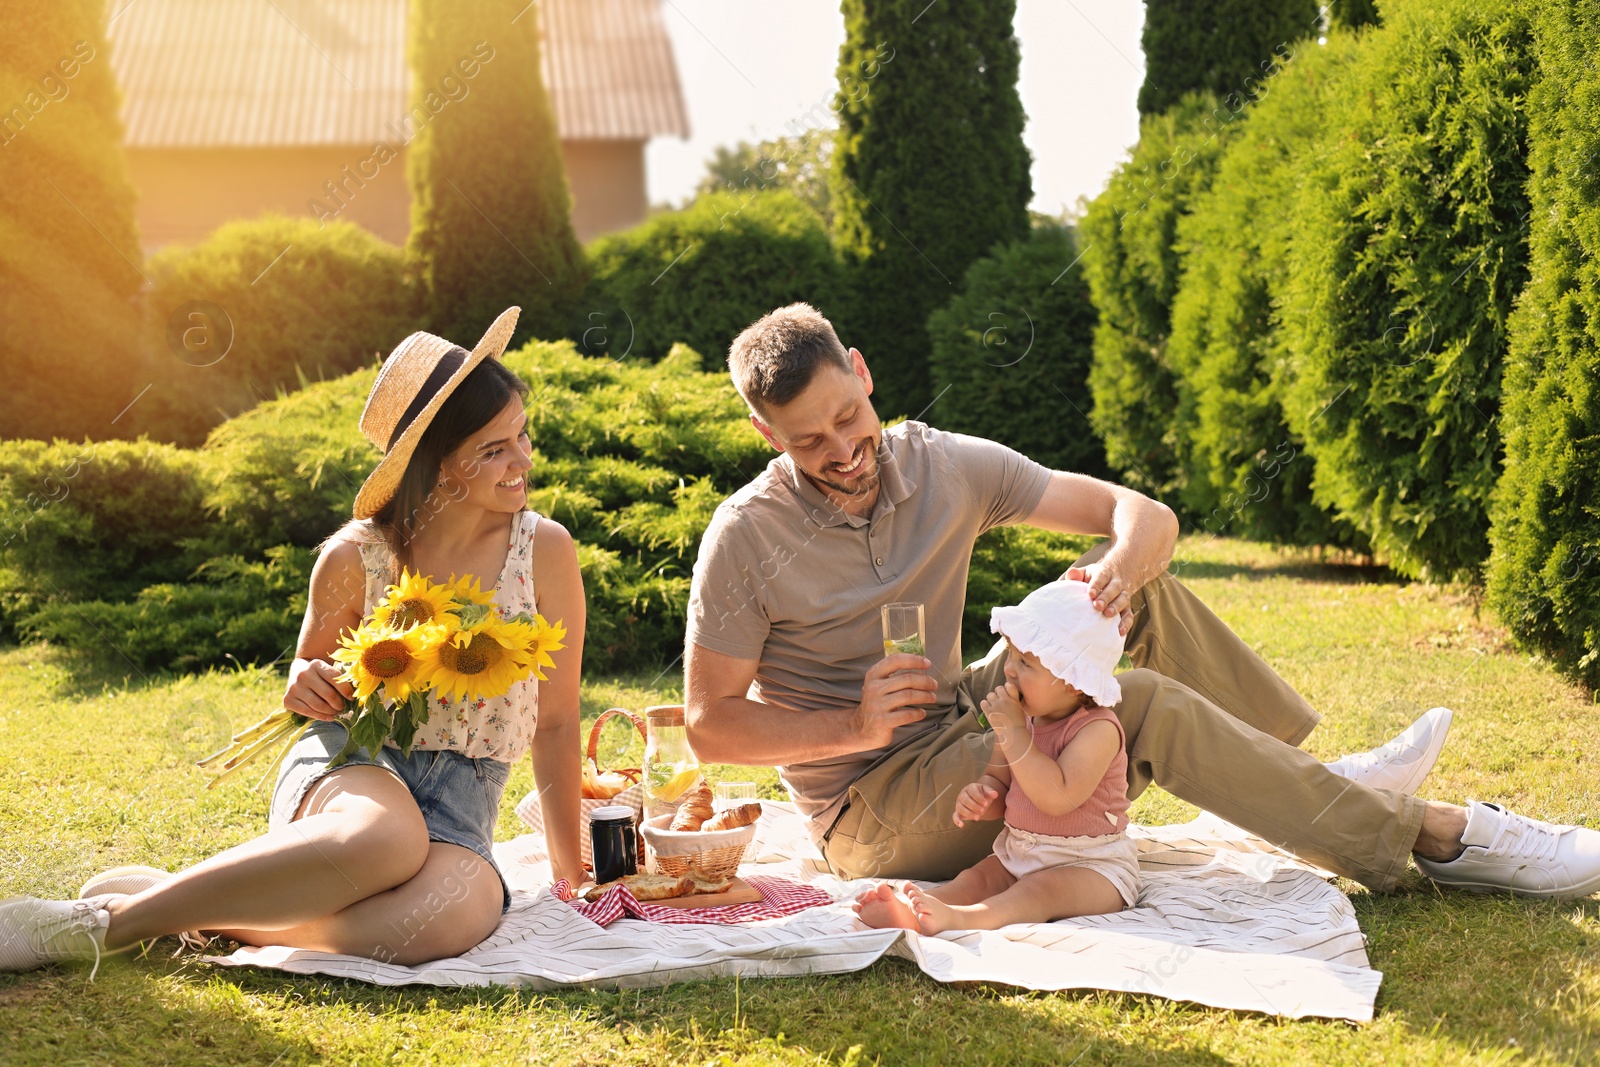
point(124, 880)
point(1403, 763)
point(1514, 854)
point(35, 933)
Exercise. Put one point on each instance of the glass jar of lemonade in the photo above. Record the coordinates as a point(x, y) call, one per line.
point(670, 765)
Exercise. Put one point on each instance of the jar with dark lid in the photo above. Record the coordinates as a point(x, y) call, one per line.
point(615, 841)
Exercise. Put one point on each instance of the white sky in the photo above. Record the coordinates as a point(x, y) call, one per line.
point(750, 66)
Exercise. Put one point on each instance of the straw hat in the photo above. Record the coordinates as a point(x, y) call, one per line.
point(413, 384)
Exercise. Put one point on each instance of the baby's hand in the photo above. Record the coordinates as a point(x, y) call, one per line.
point(1004, 710)
point(973, 802)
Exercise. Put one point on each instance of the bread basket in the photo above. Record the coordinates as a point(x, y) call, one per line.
point(717, 853)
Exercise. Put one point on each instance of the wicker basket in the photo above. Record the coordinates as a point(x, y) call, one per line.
point(717, 853)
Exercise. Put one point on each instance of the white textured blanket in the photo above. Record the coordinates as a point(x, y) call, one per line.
point(1223, 920)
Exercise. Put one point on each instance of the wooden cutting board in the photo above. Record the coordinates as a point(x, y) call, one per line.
point(741, 892)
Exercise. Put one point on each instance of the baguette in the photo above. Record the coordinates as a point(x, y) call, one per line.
point(733, 818)
point(647, 887)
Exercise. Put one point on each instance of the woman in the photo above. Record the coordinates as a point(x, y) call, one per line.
point(386, 856)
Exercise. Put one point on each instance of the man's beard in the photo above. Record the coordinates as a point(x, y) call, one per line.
point(864, 482)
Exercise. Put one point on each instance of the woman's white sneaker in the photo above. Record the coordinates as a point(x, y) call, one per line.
point(1509, 853)
point(1404, 762)
point(36, 933)
point(124, 880)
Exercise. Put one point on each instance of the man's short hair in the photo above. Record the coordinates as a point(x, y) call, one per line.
point(776, 356)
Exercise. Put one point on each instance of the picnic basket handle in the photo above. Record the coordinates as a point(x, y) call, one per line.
point(594, 731)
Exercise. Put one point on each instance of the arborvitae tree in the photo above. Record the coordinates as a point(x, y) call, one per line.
point(1222, 46)
point(1016, 344)
point(1245, 472)
point(929, 172)
point(1352, 14)
point(1410, 246)
point(70, 265)
point(1131, 263)
point(490, 223)
point(1544, 573)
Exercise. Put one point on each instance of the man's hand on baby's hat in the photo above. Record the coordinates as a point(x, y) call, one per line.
point(1111, 595)
point(892, 694)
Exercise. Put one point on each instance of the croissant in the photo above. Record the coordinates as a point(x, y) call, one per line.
point(694, 809)
point(733, 818)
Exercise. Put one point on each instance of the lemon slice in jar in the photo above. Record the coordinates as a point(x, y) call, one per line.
point(678, 784)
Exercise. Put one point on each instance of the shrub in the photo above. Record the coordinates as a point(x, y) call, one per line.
point(1217, 48)
point(249, 612)
point(1411, 246)
point(702, 274)
point(1132, 267)
point(632, 458)
point(69, 286)
point(260, 307)
point(1014, 347)
point(1544, 573)
point(490, 223)
point(929, 172)
point(1225, 351)
point(1008, 563)
point(97, 520)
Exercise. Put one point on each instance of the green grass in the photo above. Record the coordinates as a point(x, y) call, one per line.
point(95, 770)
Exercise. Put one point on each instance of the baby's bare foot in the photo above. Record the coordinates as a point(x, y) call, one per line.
point(881, 907)
point(932, 914)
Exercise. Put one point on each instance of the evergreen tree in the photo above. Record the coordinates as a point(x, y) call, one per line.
point(1410, 248)
point(1544, 571)
point(1245, 473)
point(1352, 14)
point(490, 222)
point(70, 265)
point(1224, 47)
point(929, 172)
point(1132, 264)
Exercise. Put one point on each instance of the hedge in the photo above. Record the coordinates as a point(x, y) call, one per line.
point(95, 520)
point(259, 308)
point(701, 275)
point(929, 172)
point(1544, 573)
point(1244, 472)
point(1411, 247)
point(1011, 353)
point(1132, 268)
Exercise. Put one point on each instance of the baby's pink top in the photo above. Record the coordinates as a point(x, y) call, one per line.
point(1106, 810)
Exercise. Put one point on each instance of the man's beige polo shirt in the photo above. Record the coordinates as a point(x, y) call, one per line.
point(787, 578)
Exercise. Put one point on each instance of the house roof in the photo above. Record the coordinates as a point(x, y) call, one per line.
point(215, 73)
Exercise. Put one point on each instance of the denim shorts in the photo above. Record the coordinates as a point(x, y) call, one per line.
point(459, 796)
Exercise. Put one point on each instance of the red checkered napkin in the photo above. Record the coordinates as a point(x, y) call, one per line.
point(779, 897)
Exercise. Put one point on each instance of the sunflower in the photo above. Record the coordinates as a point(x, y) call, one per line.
point(547, 638)
point(466, 590)
point(377, 654)
point(414, 601)
point(482, 660)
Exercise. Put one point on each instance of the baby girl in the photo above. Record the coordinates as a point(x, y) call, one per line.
point(1058, 776)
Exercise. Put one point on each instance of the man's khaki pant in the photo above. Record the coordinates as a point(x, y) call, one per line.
point(1205, 718)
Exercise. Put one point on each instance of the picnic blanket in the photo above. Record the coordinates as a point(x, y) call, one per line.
point(1223, 920)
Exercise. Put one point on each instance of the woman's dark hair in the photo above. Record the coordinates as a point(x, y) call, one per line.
point(481, 396)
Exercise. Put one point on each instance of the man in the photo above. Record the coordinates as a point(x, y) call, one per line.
point(785, 667)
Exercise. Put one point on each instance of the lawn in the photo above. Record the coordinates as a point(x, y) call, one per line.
point(97, 770)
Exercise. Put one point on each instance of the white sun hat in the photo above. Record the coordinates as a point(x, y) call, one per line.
point(1058, 623)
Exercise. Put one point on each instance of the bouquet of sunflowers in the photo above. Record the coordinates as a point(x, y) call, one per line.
point(422, 638)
